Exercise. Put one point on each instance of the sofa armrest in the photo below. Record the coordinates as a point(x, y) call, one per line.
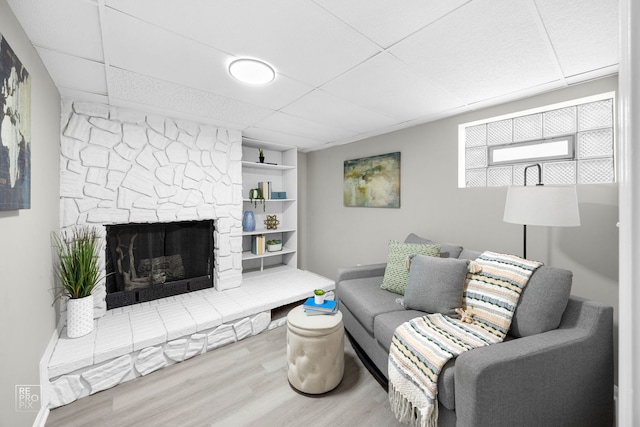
point(560, 377)
point(360, 272)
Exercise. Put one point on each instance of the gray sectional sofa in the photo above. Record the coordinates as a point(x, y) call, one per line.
point(555, 367)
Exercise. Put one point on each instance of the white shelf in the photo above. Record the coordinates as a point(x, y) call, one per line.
point(266, 166)
point(269, 200)
point(280, 169)
point(265, 231)
point(248, 255)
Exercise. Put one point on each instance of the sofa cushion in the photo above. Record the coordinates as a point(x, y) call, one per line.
point(397, 271)
point(447, 250)
point(542, 302)
point(469, 254)
point(365, 299)
point(435, 285)
point(385, 325)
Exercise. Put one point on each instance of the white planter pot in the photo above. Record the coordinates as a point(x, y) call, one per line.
point(79, 316)
point(274, 248)
point(318, 299)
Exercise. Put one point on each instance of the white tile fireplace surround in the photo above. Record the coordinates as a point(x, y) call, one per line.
point(137, 340)
point(119, 166)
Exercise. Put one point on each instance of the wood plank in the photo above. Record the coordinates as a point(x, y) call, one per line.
point(242, 384)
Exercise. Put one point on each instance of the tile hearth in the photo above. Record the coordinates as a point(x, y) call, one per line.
point(181, 324)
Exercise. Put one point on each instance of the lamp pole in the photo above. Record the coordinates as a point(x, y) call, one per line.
point(524, 239)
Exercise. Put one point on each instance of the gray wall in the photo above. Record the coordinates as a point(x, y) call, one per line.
point(432, 206)
point(26, 312)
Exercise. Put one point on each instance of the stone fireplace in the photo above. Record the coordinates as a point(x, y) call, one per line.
point(140, 179)
point(124, 167)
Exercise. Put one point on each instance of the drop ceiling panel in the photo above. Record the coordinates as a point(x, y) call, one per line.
point(299, 38)
point(321, 107)
point(582, 32)
point(173, 113)
point(292, 125)
point(385, 85)
point(266, 135)
point(335, 81)
point(143, 90)
point(387, 22)
point(484, 50)
point(74, 73)
point(147, 49)
point(69, 26)
point(79, 95)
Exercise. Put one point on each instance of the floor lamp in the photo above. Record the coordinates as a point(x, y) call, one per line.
point(552, 206)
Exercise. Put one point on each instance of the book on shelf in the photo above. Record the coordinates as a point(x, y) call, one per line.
point(258, 244)
point(328, 306)
point(265, 188)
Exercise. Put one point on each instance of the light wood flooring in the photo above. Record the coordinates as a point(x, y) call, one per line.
point(242, 384)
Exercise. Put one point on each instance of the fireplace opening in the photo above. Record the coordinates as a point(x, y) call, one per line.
point(151, 261)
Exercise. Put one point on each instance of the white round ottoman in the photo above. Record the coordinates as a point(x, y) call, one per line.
point(315, 351)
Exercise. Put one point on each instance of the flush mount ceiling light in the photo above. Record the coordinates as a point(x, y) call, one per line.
point(252, 71)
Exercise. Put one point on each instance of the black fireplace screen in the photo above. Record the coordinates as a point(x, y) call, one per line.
point(151, 261)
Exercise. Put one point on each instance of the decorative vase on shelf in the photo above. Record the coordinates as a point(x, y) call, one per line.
point(248, 221)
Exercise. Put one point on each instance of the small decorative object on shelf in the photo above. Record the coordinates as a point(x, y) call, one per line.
point(248, 221)
point(271, 222)
point(261, 155)
point(274, 245)
point(255, 195)
point(318, 296)
point(278, 195)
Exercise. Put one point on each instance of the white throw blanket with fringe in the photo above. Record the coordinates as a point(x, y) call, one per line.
point(422, 346)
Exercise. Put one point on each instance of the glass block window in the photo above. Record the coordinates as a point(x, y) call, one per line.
point(582, 129)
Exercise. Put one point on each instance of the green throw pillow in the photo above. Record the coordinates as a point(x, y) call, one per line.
point(397, 272)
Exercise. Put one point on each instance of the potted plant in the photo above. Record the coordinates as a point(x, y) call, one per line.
point(318, 296)
point(79, 273)
point(274, 245)
point(255, 195)
point(261, 155)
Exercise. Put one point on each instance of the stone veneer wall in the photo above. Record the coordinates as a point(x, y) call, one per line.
point(119, 166)
point(86, 381)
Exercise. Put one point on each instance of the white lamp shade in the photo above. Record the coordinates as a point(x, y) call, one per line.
point(548, 205)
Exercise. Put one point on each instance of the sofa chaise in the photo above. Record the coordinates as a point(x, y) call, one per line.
point(555, 367)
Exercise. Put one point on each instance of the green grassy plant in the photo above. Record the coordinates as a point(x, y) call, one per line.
point(77, 265)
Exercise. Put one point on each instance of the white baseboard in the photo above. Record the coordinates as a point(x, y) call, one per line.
point(41, 419)
point(43, 414)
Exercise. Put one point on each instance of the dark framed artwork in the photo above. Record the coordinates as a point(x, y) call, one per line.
point(372, 181)
point(15, 131)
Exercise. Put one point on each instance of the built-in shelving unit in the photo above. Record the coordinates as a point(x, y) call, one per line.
point(279, 168)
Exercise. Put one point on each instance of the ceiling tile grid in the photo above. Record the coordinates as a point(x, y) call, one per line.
point(385, 22)
point(486, 49)
point(67, 26)
point(344, 70)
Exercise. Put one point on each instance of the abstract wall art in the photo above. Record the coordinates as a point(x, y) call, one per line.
point(15, 131)
point(372, 181)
